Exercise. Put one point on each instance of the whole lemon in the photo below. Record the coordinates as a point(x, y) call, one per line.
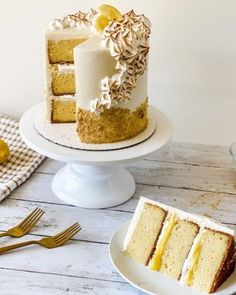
point(4, 151)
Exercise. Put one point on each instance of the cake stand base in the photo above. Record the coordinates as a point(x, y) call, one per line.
point(93, 186)
point(92, 178)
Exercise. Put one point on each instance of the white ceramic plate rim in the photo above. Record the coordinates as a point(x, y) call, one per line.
point(116, 254)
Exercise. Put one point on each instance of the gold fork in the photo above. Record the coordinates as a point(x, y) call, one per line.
point(50, 242)
point(25, 225)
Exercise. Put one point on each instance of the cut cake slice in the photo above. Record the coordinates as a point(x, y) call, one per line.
point(143, 232)
point(211, 261)
point(194, 249)
point(60, 76)
point(173, 246)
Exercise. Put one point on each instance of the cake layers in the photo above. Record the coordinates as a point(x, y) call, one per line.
point(62, 109)
point(193, 249)
point(211, 260)
point(60, 78)
point(173, 246)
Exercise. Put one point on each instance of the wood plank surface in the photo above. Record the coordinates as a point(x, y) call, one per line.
point(35, 283)
point(220, 206)
point(196, 178)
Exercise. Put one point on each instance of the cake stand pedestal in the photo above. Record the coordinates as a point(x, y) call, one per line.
point(94, 179)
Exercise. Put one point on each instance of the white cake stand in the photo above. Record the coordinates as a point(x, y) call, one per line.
point(94, 179)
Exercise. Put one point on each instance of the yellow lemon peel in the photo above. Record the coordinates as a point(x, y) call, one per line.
point(4, 151)
point(107, 13)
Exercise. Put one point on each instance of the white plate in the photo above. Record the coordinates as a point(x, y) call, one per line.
point(149, 281)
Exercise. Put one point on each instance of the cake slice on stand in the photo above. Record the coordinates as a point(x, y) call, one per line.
point(60, 39)
point(96, 84)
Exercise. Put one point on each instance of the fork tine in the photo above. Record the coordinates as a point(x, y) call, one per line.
point(64, 231)
point(70, 230)
point(70, 235)
point(28, 226)
point(30, 218)
point(74, 227)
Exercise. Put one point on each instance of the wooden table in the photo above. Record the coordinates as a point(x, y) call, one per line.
point(197, 178)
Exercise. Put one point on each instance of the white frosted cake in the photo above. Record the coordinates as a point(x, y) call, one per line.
point(96, 73)
point(197, 251)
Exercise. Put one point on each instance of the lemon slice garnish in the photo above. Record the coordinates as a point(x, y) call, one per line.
point(101, 22)
point(110, 12)
point(4, 151)
point(107, 13)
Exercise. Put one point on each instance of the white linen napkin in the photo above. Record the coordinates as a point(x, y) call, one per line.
point(22, 161)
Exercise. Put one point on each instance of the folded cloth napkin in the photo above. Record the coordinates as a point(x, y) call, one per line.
point(22, 161)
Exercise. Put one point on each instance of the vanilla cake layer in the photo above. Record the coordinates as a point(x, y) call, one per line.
point(62, 83)
point(62, 51)
point(63, 110)
point(112, 125)
point(212, 252)
point(147, 225)
point(60, 77)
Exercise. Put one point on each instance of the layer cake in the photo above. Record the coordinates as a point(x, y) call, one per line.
point(96, 73)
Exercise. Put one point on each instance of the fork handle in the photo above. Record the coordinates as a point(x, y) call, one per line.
point(3, 234)
point(15, 246)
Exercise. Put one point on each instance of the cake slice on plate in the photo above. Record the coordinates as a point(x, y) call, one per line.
point(211, 261)
point(144, 230)
point(195, 250)
point(173, 246)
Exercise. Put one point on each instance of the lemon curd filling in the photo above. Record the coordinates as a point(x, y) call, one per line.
point(155, 263)
point(194, 264)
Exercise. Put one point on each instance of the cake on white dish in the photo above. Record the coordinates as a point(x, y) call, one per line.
point(96, 73)
point(195, 250)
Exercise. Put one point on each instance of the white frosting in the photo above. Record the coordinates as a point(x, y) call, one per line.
point(65, 68)
point(68, 33)
point(134, 222)
point(202, 221)
point(116, 71)
point(127, 41)
point(79, 20)
point(64, 97)
point(189, 260)
point(93, 62)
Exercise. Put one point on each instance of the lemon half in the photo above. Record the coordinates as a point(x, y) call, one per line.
point(4, 151)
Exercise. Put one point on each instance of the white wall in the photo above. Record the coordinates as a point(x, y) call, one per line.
point(192, 60)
